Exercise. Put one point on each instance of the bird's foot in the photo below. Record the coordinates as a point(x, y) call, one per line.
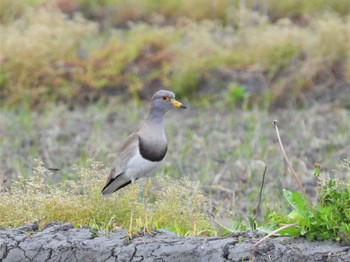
point(146, 230)
point(129, 234)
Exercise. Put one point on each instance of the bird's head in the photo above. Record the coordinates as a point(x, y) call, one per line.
point(164, 100)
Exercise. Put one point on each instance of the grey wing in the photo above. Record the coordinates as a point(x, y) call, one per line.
point(117, 179)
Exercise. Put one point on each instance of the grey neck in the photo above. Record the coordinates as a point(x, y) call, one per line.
point(155, 116)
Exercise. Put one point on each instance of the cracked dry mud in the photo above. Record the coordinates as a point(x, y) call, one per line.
point(63, 242)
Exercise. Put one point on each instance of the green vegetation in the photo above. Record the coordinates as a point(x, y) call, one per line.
point(77, 64)
point(122, 11)
point(328, 218)
point(46, 55)
point(35, 50)
point(225, 163)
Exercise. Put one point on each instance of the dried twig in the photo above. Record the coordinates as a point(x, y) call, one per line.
point(275, 122)
point(272, 233)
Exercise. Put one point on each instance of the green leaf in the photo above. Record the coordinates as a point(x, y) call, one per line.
point(295, 199)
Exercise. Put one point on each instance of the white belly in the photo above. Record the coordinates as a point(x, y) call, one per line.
point(138, 167)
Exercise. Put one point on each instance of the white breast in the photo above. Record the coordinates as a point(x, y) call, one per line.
point(138, 167)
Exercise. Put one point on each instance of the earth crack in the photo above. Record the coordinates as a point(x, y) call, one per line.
point(163, 247)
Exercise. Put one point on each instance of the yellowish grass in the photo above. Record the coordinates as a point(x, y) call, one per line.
point(178, 206)
point(42, 57)
point(35, 48)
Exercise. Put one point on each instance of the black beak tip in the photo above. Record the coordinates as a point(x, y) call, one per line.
point(183, 106)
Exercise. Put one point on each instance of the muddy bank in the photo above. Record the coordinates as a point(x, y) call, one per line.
point(62, 242)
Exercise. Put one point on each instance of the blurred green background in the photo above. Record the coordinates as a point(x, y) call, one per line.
point(76, 77)
point(78, 52)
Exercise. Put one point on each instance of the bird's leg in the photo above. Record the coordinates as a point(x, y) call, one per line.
point(129, 234)
point(146, 228)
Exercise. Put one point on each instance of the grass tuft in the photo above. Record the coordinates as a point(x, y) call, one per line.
point(177, 205)
point(35, 51)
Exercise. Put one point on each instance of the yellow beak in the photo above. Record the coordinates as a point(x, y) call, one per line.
point(177, 103)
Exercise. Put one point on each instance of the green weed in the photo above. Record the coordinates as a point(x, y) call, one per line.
point(329, 218)
point(236, 94)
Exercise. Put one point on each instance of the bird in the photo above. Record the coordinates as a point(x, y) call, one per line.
point(142, 152)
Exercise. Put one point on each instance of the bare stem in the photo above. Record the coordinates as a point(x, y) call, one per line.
point(275, 122)
point(260, 194)
point(272, 233)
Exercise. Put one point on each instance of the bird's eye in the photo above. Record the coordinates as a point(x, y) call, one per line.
point(165, 98)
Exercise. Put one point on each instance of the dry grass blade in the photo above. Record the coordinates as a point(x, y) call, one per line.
point(257, 211)
point(271, 234)
point(275, 122)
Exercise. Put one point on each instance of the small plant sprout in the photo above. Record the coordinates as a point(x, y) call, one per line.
point(317, 170)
